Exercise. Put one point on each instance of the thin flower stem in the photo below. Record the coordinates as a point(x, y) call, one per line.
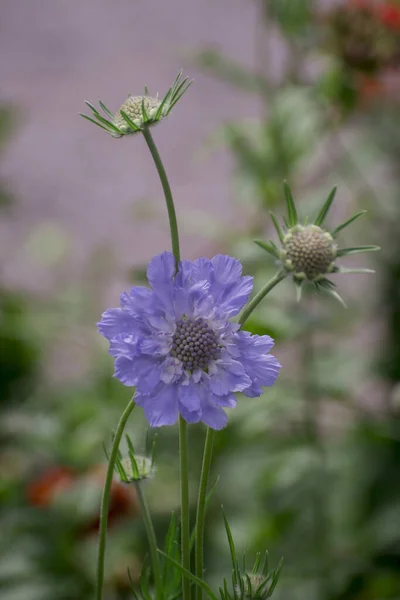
point(185, 523)
point(183, 451)
point(201, 505)
point(105, 500)
point(151, 536)
point(279, 276)
point(167, 193)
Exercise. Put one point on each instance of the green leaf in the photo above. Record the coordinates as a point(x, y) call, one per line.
point(327, 287)
point(292, 213)
point(345, 270)
point(208, 498)
point(356, 250)
point(170, 546)
point(178, 95)
point(277, 227)
point(346, 223)
point(268, 248)
point(190, 575)
point(94, 122)
point(144, 584)
point(145, 115)
point(92, 108)
point(265, 567)
point(163, 102)
point(256, 563)
point(325, 209)
point(299, 289)
point(107, 123)
point(232, 549)
point(129, 121)
point(106, 110)
point(275, 578)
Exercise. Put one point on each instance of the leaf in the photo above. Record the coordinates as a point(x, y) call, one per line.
point(268, 248)
point(299, 289)
point(275, 578)
point(232, 549)
point(325, 209)
point(277, 227)
point(265, 567)
point(292, 213)
point(346, 223)
point(356, 250)
point(190, 575)
point(345, 270)
point(129, 121)
point(106, 110)
point(256, 563)
point(208, 498)
point(94, 122)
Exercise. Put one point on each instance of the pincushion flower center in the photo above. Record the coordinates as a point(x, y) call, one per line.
point(194, 344)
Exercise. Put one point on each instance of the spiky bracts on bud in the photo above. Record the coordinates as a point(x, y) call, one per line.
point(138, 112)
point(257, 584)
point(308, 252)
point(134, 467)
point(141, 110)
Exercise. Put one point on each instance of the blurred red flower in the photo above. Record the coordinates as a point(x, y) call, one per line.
point(389, 15)
point(54, 481)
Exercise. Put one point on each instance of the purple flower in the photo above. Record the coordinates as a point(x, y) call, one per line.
point(176, 344)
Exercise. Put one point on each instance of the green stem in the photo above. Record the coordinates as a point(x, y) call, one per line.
point(151, 536)
point(105, 500)
point(201, 506)
point(185, 523)
point(167, 193)
point(279, 276)
point(183, 452)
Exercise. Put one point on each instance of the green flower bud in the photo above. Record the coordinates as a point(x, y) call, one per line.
point(308, 252)
point(137, 111)
point(140, 110)
point(136, 469)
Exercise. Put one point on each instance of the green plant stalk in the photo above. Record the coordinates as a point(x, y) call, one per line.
point(185, 523)
point(201, 506)
point(105, 500)
point(279, 276)
point(183, 451)
point(173, 225)
point(318, 501)
point(208, 446)
point(151, 535)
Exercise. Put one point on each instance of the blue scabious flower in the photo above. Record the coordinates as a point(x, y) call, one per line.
point(177, 345)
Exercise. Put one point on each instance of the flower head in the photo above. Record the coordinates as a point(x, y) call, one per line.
point(141, 110)
point(134, 467)
point(175, 342)
point(308, 251)
point(138, 112)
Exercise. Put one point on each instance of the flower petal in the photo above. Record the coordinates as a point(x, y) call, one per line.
point(190, 396)
point(125, 371)
point(160, 274)
point(148, 370)
point(161, 407)
point(140, 299)
point(124, 345)
point(214, 417)
point(116, 321)
point(226, 376)
point(230, 289)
